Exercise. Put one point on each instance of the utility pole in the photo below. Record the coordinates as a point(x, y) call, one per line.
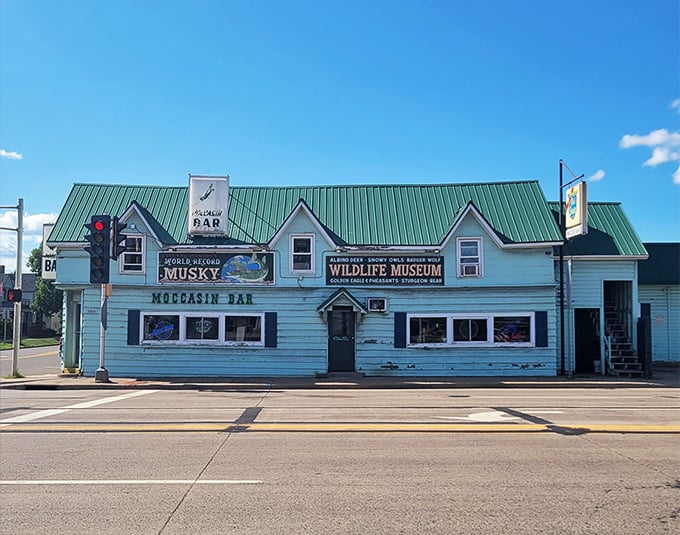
point(16, 337)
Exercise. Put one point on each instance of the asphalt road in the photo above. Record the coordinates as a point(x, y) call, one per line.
point(340, 461)
point(35, 361)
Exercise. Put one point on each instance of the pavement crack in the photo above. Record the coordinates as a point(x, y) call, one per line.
point(193, 483)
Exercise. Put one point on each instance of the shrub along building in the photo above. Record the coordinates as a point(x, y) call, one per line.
point(455, 279)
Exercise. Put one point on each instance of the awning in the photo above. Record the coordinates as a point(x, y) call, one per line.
point(341, 297)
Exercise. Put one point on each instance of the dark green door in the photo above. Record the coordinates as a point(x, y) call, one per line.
point(341, 340)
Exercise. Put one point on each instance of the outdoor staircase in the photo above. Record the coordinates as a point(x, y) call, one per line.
point(624, 359)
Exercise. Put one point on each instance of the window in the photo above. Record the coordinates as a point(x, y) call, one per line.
point(243, 329)
point(192, 328)
point(471, 329)
point(161, 328)
point(512, 329)
point(469, 257)
point(428, 330)
point(302, 253)
point(202, 328)
point(132, 260)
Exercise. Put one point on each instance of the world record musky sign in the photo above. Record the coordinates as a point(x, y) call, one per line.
point(222, 268)
point(403, 270)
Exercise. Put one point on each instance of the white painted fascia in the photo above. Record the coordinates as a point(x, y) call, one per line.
point(607, 257)
point(301, 208)
point(132, 209)
point(472, 209)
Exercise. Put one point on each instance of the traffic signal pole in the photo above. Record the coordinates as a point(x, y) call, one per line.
point(16, 335)
point(101, 375)
point(106, 243)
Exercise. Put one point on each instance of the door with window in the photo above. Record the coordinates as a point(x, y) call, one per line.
point(341, 333)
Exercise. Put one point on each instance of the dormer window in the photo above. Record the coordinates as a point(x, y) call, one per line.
point(469, 257)
point(132, 260)
point(302, 253)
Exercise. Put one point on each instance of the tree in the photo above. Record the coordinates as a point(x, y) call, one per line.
point(47, 300)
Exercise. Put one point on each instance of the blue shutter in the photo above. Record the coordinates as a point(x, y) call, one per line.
point(270, 329)
point(400, 329)
point(133, 328)
point(541, 325)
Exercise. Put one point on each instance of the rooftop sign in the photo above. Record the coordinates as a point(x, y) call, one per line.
point(208, 198)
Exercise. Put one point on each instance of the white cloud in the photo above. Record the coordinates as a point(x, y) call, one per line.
point(662, 155)
point(653, 139)
point(33, 228)
point(662, 142)
point(11, 154)
point(676, 105)
point(596, 176)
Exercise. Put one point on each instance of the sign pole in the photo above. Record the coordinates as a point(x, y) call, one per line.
point(16, 334)
point(563, 232)
point(102, 374)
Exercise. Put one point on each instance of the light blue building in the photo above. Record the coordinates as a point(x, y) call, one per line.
point(422, 280)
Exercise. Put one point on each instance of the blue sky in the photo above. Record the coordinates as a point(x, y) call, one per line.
point(340, 92)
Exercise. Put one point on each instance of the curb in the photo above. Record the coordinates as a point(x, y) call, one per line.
point(344, 383)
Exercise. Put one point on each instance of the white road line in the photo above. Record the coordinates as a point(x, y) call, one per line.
point(132, 482)
point(85, 405)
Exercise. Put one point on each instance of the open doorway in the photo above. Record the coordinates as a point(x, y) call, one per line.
point(586, 339)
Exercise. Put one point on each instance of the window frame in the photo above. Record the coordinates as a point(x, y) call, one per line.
point(121, 260)
point(490, 341)
point(311, 253)
point(182, 337)
point(459, 258)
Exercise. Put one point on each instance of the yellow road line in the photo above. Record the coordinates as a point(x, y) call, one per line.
point(24, 357)
point(309, 427)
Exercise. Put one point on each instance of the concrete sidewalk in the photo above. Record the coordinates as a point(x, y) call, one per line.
point(663, 377)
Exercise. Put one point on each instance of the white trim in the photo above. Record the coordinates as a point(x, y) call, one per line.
point(604, 257)
point(121, 262)
point(133, 209)
point(489, 317)
point(479, 265)
point(472, 209)
point(182, 339)
point(291, 253)
point(301, 207)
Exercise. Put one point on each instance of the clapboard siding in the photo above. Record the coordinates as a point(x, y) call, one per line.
point(665, 320)
point(588, 276)
point(306, 354)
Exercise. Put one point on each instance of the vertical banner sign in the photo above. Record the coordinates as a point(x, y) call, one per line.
point(49, 255)
point(576, 210)
point(208, 198)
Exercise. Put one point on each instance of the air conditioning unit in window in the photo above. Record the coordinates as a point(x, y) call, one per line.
point(377, 304)
point(470, 270)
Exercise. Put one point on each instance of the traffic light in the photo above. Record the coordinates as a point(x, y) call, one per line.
point(14, 295)
point(117, 238)
point(99, 248)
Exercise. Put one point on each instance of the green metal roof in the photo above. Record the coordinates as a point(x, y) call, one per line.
point(354, 215)
point(610, 233)
point(662, 266)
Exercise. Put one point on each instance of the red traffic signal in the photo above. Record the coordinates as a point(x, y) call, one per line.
point(14, 295)
point(99, 249)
